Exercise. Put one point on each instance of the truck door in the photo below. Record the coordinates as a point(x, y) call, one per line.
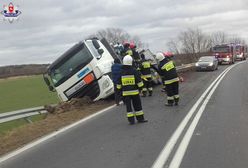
point(109, 48)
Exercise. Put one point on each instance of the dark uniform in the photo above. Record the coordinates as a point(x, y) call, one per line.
point(130, 84)
point(145, 69)
point(135, 54)
point(136, 58)
point(126, 51)
point(167, 70)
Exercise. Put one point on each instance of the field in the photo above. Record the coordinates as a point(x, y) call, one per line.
point(24, 92)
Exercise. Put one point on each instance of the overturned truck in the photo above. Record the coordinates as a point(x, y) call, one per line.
point(83, 70)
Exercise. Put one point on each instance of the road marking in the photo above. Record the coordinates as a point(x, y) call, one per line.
point(164, 154)
point(52, 135)
point(177, 159)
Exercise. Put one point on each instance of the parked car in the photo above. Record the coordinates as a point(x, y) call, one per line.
point(207, 63)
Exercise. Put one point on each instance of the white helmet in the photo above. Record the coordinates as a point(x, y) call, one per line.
point(128, 60)
point(160, 56)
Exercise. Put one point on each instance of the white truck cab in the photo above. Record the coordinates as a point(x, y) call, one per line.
point(83, 70)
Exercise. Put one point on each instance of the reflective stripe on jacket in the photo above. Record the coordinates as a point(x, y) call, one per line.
point(130, 81)
point(167, 70)
point(166, 82)
point(145, 69)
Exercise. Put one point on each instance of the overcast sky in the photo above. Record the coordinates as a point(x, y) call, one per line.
point(47, 28)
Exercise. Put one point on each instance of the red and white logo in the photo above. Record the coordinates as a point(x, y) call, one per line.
point(10, 12)
point(11, 8)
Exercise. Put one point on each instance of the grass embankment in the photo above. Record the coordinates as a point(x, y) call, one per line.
point(66, 114)
point(8, 126)
point(20, 93)
point(24, 92)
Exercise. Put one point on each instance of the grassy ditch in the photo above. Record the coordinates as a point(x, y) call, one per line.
point(24, 92)
point(11, 125)
point(13, 137)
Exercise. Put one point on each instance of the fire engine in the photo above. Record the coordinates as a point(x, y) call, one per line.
point(225, 53)
point(241, 51)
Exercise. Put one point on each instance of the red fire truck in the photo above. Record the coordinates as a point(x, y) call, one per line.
point(225, 53)
point(241, 51)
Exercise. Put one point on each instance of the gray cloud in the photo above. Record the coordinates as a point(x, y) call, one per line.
point(48, 28)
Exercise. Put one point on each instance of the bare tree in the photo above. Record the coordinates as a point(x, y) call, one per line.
point(193, 41)
point(173, 46)
point(236, 40)
point(117, 35)
point(218, 37)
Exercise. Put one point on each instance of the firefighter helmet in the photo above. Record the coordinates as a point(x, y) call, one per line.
point(160, 56)
point(168, 54)
point(126, 44)
point(128, 60)
point(132, 45)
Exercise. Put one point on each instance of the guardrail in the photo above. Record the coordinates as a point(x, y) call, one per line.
point(184, 67)
point(24, 113)
point(27, 113)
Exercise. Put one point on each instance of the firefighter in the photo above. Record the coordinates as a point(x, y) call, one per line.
point(167, 70)
point(115, 71)
point(130, 84)
point(135, 55)
point(169, 55)
point(126, 50)
point(145, 69)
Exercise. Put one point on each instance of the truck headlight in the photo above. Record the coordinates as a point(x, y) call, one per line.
point(105, 84)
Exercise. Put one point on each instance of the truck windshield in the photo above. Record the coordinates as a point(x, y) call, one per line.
point(70, 64)
point(238, 48)
point(224, 49)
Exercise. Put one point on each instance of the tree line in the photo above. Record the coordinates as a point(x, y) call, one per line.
point(193, 41)
point(117, 35)
point(190, 41)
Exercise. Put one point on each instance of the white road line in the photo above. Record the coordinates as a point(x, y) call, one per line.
point(45, 138)
point(164, 154)
point(177, 159)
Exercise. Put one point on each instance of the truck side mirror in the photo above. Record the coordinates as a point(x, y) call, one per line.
point(50, 87)
point(96, 44)
point(46, 80)
point(100, 51)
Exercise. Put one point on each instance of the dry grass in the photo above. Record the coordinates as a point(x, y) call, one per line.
point(53, 121)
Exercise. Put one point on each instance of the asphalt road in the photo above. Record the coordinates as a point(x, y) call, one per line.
point(108, 141)
point(220, 139)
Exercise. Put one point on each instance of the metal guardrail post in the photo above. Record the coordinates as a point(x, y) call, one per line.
point(28, 120)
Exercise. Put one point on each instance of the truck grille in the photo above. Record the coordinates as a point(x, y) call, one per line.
point(92, 90)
